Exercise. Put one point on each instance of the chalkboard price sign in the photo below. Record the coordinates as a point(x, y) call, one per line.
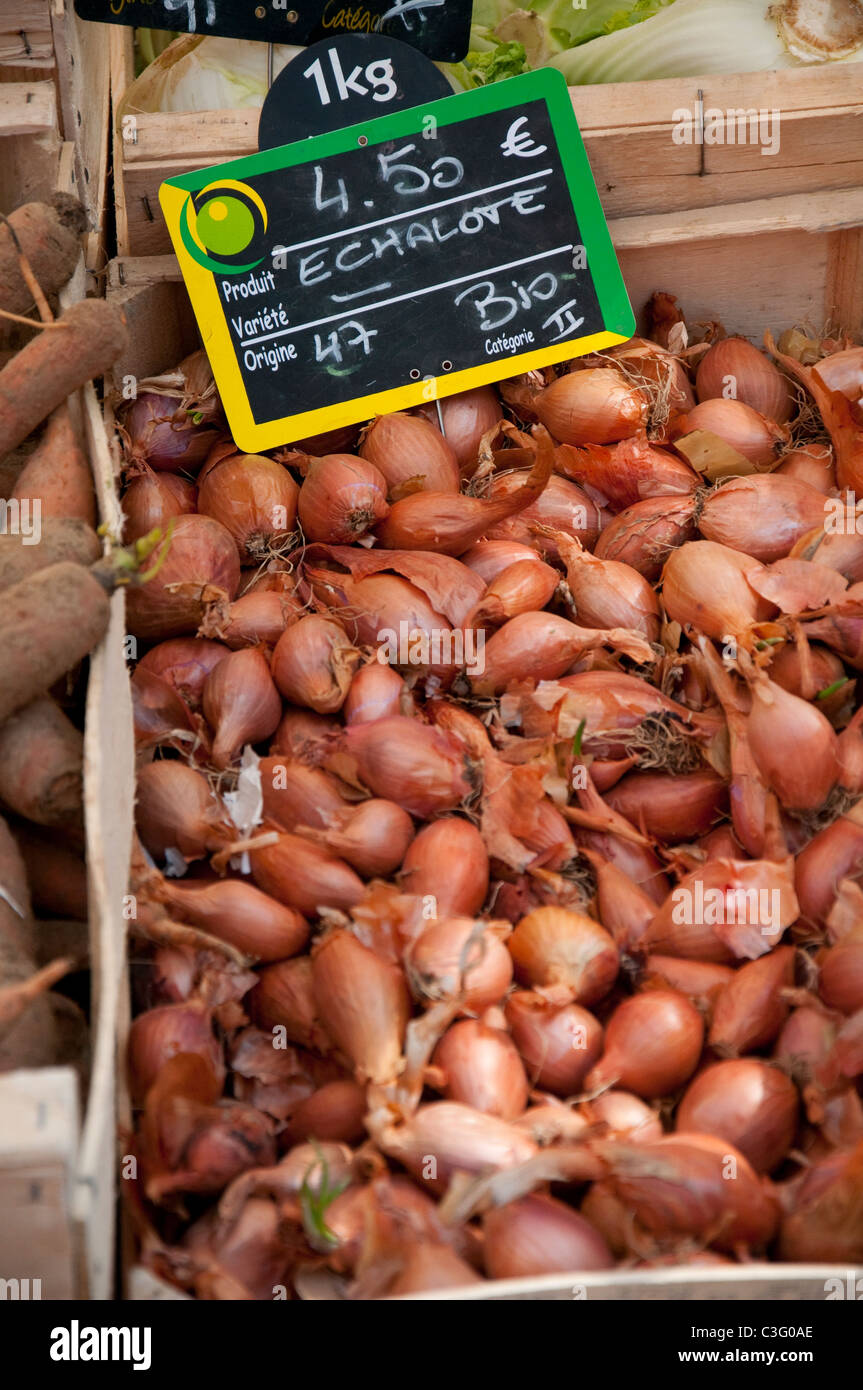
point(438, 28)
point(408, 257)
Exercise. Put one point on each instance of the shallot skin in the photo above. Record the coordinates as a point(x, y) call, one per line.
point(751, 1104)
point(540, 1235)
point(652, 1045)
point(676, 1187)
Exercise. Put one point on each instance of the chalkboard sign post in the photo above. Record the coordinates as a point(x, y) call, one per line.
point(438, 28)
point(415, 255)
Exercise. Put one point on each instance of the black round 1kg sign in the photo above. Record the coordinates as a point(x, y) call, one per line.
point(343, 81)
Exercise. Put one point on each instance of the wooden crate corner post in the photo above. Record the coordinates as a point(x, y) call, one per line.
point(39, 1141)
point(84, 84)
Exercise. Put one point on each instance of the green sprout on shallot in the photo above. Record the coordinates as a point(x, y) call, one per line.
point(316, 1201)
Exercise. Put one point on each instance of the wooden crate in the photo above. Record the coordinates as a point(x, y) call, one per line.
point(55, 87)
point(57, 1169)
point(763, 264)
point(768, 262)
point(628, 133)
point(26, 41)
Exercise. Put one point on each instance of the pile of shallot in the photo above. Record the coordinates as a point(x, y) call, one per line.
point(500, 870)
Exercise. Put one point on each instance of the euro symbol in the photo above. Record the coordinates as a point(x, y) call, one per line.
point(520, 142)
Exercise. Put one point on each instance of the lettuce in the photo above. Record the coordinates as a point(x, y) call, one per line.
point(508, 38)
point(565, 24)
point(491, 61)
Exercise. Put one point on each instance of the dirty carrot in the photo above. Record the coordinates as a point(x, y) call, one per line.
point(41, 765)
point(55, 363)
point(47, 624)
point(49, 235)
point(57, 474)
point(25, 552)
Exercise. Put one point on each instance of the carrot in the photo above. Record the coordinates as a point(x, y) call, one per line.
point(16, 999)
point(49, 235)
point(41, 765)
point(15, 916)
point(61, 938)
point(82, 344)
point(36, 1029)
point(60, 538)
point(57, 474)
point(57, 877)
point(45, 1035)
point(48, 623)
point(12, 466)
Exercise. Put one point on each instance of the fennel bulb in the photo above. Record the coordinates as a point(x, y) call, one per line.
point(691, 37)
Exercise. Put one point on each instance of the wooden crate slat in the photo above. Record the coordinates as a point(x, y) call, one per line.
point(632, 104)
point(845, 277)
point(742, 291)
point(121, 62)
point(809, 212)
point(768, 1282)
point(25, 34)
point(209, 136)
point(27, 108)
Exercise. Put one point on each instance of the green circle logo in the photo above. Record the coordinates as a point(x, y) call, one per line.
point(225, 225)
point(222, 227)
